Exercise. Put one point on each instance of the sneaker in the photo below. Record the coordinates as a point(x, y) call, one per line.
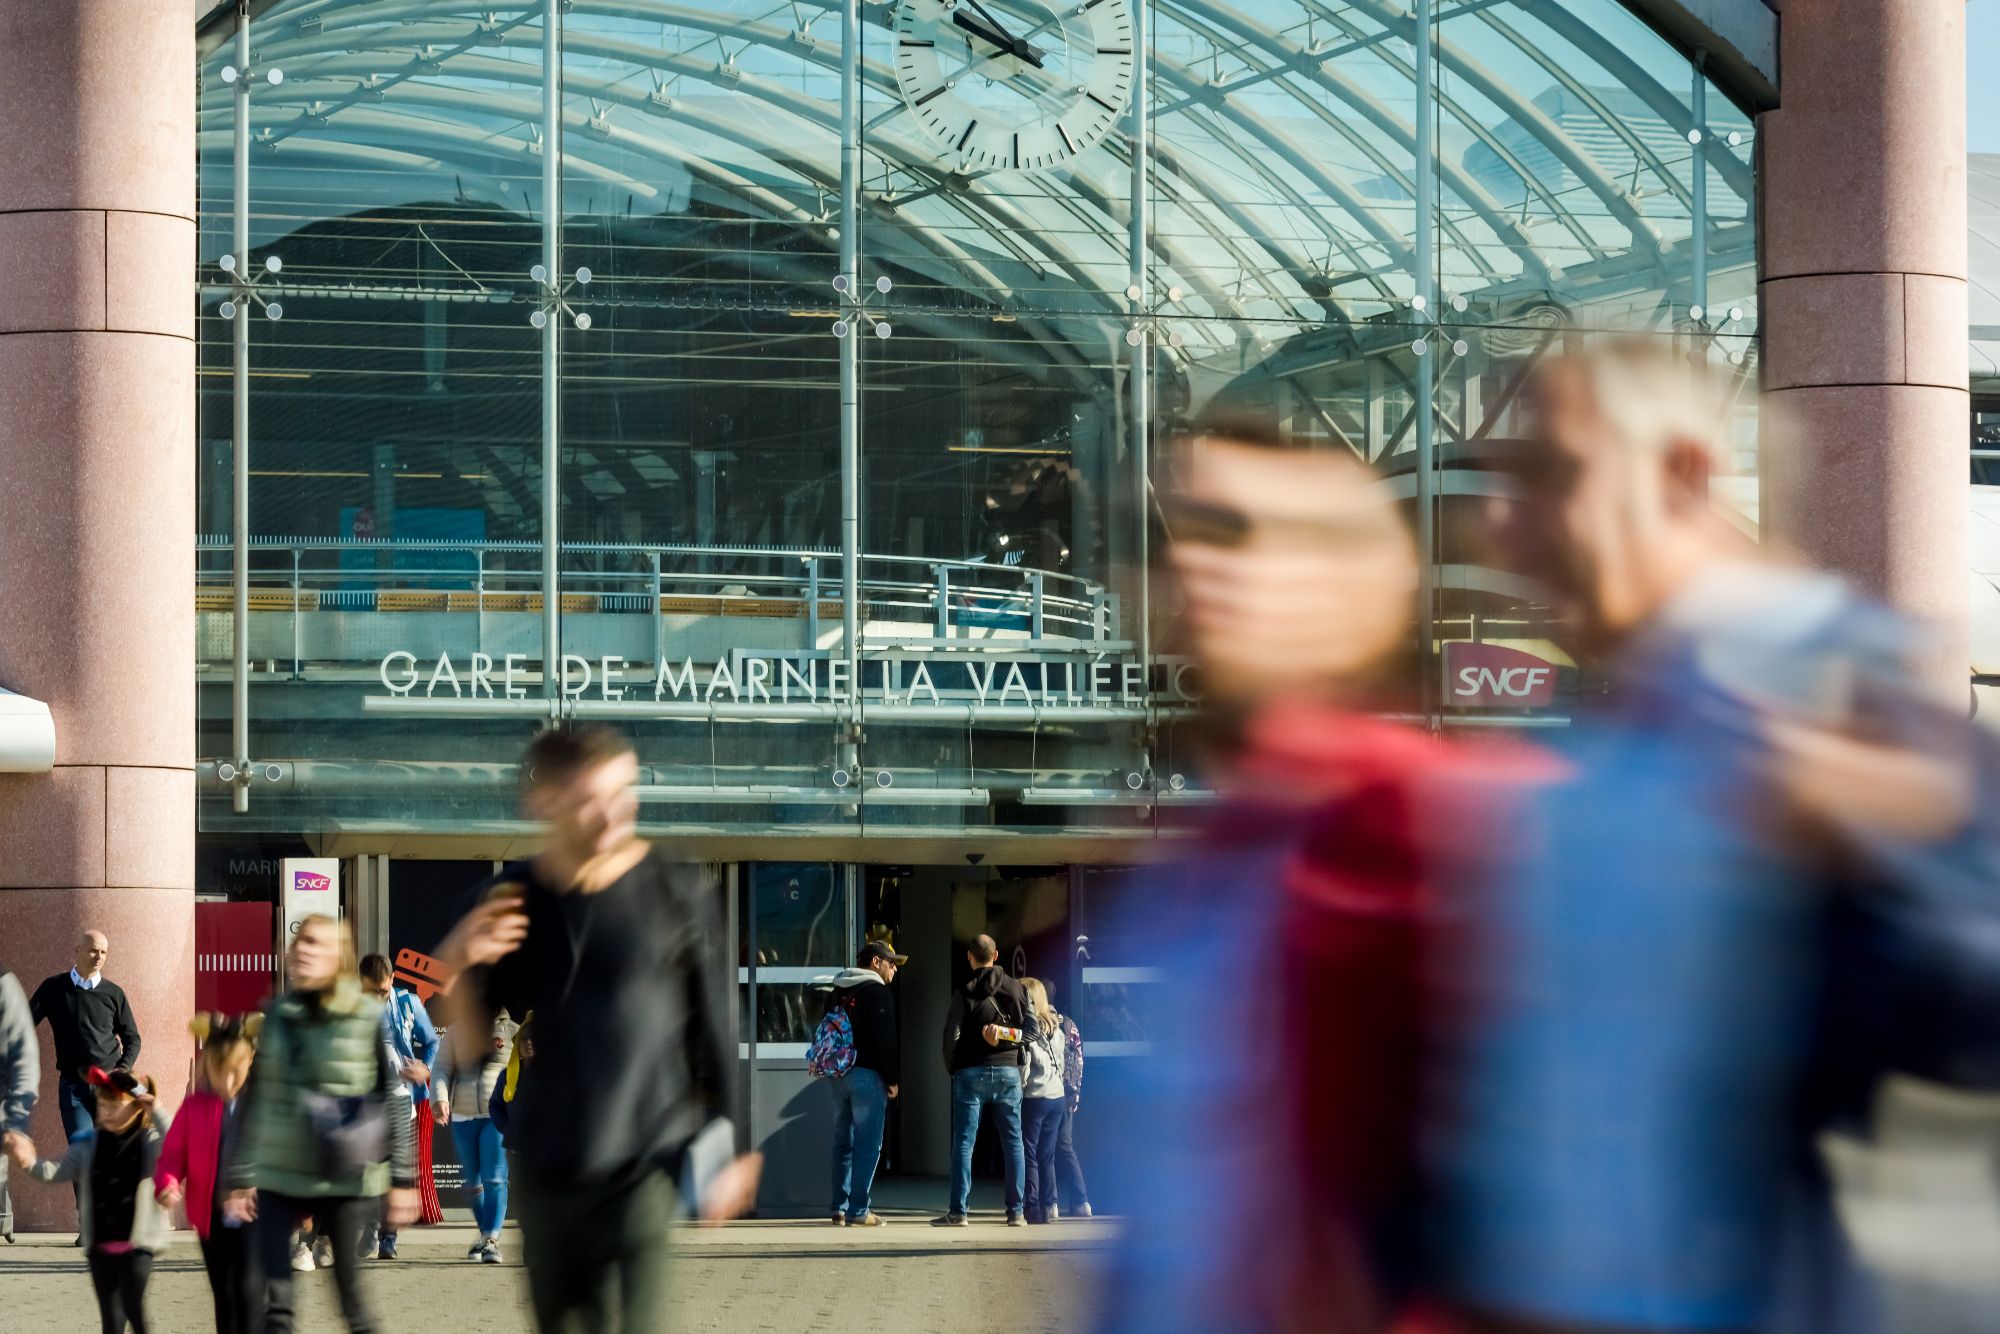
point(1083, 1210)
point(952, 1220)
point(1016, 1219)
point(302, 1259)
point(840, 1220)
point(869, 1219)
point(386, 1249)
point(323, 1252)
point(477, 1250)
point(491, 1254)
point(1054, 1214)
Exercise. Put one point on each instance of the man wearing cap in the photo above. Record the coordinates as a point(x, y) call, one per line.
point(861, 1096)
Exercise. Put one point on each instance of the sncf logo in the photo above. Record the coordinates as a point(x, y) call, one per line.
point(311, 882)
point(1487, 674)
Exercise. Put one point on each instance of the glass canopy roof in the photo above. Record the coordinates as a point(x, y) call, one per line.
point(1283, 139)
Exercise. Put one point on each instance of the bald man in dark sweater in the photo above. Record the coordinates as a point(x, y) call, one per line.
point(92, 1024)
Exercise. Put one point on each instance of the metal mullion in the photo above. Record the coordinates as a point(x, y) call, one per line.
point(850, 373)
point(1424, 408)
point(551, 351)
point(239, 521)
point(1139, 358)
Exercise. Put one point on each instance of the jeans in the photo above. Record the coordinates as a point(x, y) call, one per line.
point(1041, 1128)
point(485, 1167)
point(1069, 1169)
point(861, 1102)
point(997, 1086)
point(593, 1248)
point(120, 1284)
point(77, 1103)
point(342, 1221)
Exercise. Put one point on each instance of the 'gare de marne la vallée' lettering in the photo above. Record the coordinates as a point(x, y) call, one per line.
point(782, 680)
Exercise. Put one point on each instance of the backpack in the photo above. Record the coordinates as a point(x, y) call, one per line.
point(832, 1053)
point(1073, 1065)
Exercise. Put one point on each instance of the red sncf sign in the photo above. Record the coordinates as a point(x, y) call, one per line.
point(1492, 676)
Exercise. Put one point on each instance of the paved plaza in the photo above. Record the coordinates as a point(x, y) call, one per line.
point(745, 1278)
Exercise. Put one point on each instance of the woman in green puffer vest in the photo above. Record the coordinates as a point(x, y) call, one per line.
point(320, 1135)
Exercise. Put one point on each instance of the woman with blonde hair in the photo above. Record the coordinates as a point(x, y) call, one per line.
point(319, 1134)
point(1044, 1097)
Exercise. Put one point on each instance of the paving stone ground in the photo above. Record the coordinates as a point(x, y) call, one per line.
point(748, 1278)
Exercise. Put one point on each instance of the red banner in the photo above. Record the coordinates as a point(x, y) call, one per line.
point(235, 961)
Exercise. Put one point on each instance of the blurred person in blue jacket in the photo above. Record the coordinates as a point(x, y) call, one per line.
point(1768, 879)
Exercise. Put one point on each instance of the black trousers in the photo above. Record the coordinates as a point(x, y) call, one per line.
point(593, 1250)
point(120, 1281)
point(342, 1220)
point(235, 1279)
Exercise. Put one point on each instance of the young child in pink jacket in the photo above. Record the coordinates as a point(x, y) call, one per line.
point(190, 1168)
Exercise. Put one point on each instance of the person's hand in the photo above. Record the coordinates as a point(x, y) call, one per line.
point(441, 1111)
point(240, 1206)
point(893, 1088)
point(416, 1072)
point(402, 1208)
point(733, 1191)
point(20, 1150)
point(169, 1197)
point(992, 1034)
point(487, 934)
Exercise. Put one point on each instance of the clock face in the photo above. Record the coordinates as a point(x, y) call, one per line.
point(1015, 85)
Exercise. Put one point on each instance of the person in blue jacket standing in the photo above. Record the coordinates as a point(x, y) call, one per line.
point(413, 1046)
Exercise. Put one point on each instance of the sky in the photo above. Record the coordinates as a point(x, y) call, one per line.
point(1982, 57)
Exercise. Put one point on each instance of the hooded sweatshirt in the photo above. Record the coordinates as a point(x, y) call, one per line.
point(871, 1011)
point(990, 997)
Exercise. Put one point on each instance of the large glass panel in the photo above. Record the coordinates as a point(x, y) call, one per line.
point(800, 937)
point(1028, 369)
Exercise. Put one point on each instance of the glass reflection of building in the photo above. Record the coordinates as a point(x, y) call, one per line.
point(1023, 341)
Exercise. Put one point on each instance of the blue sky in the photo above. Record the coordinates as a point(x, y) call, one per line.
point(1982, 58)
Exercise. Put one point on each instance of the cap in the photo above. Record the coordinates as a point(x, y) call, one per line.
point(123, 1080)
point(876, 949)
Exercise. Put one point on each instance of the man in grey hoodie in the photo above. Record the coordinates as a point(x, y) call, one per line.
point(20, 1075)
point(861, 1096)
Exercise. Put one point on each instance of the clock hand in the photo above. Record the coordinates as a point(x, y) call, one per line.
point(1014, 45)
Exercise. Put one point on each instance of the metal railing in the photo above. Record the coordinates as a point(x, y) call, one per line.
point(938, 601)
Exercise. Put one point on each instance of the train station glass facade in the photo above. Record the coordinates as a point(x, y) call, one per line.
point(865, 562)
point(793, 384)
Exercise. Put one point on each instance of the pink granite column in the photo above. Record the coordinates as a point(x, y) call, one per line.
point(97, 357)
point(1863, 297)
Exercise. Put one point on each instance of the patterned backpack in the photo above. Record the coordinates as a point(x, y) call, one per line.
point(832, 1053)
point(1073, 1065)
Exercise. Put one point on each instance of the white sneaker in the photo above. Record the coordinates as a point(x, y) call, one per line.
point(302, 1259)
point(323, 1252)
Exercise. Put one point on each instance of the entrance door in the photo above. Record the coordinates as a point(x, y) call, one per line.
point(932, 913)
point(797, 933)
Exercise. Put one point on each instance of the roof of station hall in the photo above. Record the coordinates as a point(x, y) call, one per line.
point(1283, 143)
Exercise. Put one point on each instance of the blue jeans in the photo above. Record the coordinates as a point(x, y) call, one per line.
point(1069, 1170)
point(1041, 1128)
point(861, 1109)
point(77, 1102)
point(484, 1163)
point(997, 1086)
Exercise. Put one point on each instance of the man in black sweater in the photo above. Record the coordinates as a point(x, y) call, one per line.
point(985, 1045)
point(92, 1024)
point(861, 1096)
